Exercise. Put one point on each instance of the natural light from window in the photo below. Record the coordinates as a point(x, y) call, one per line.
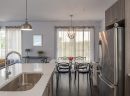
point(81, 45)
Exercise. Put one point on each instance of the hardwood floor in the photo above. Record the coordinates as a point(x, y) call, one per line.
point(65, 86)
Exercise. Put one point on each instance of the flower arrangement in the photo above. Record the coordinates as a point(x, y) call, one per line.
point(70, 58)
point(40, 53)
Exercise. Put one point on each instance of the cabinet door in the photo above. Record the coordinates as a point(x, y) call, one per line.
point(46, 92)
point(49, 88)
point(121, 9)
point(108, 16)
point(118, 12)
point(111, 14)
point(115, 13)
point(127, 47)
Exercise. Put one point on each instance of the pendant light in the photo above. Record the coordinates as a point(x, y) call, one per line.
point(26, 26)
point(71, 31)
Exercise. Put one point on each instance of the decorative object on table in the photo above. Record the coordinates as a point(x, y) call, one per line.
point(40, 53)
point(37, 40)
point(43, 59)
point(70, 59)
point(27, 51)
point(26, 26)
point(71, 31)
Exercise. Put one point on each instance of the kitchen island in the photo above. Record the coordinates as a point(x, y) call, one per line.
point(16, 69)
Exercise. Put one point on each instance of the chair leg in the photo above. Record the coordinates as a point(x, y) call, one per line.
point(91, 85)
point(57, 83)
point(75, 74)
point(69, 83)
point(78, 83)
point(69, 74)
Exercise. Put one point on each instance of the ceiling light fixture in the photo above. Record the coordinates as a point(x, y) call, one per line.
point(71, 31)
point(26, 26)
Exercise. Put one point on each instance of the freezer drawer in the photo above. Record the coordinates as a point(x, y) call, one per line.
point(106, 88)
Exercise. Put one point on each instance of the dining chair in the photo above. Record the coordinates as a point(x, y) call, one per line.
point(81, 66)
point(80, 59)
point(63, 67)
point(62, 59)
point(84, 68)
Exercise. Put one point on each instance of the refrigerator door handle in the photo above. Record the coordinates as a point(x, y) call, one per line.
point(110, 85)
point(115, 55)
point(101, 55)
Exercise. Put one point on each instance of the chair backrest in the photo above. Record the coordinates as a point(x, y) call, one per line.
point(13, 57)
point(63, 63)
point(62, 59)
point(80, 59)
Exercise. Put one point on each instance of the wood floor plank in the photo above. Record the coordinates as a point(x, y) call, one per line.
point(66, 86)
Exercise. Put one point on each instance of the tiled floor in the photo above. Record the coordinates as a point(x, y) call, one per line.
point(65, 86)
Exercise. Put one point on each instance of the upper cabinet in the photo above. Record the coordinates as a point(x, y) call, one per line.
point(115, 13)
point(121, 7)
point(111, 14)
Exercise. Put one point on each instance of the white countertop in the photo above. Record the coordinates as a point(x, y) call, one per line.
point(47, 70)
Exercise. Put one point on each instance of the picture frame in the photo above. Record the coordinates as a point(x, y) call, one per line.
point(37, 40)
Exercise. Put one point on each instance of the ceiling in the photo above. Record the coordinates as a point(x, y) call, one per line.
point(51, 10)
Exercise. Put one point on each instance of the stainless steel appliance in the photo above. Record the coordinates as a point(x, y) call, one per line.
point(112, 62)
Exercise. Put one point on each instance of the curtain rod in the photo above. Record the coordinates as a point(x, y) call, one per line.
point(74, 26)
point(12, 26)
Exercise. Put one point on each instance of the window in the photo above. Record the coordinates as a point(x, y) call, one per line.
point(81, 45)
point(2, 43)
point(10, 40)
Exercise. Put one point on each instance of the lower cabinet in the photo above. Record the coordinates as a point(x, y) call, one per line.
point(49, 88)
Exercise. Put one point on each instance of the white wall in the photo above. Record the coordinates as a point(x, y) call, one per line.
point(47, 29)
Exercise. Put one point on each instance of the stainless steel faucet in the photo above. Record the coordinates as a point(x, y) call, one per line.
point(7, 71)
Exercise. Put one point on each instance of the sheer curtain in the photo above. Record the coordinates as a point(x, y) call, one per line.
point(10, 40)
point(13, 39)
point(81, 45)
point(2, 43)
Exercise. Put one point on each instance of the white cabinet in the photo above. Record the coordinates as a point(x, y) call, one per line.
point(49, 88)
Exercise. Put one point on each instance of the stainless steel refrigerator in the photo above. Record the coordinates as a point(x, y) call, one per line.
point(112, 62)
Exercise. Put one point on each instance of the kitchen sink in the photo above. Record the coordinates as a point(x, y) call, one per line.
point(23, 82)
